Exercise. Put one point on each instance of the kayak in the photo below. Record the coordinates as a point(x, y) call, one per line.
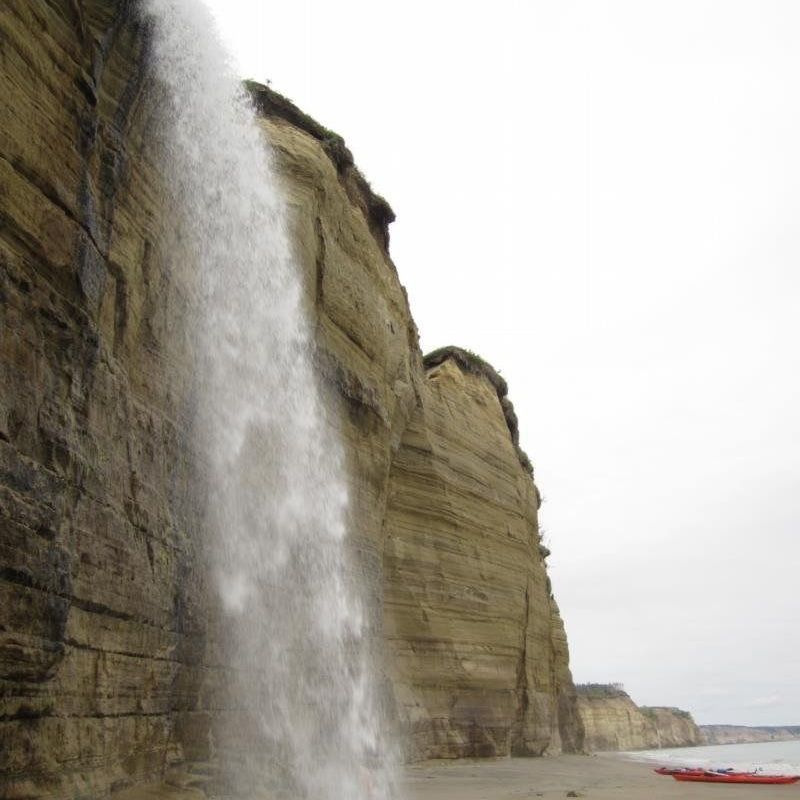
point(733, 777)
point(673, 770)
point(696, 771)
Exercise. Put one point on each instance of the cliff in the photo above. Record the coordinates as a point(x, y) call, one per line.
point(110, 664)
point(741, 734)
point(612, 721)
point(477, 647)
point(674, 727)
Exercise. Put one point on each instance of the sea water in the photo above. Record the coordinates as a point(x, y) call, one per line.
point(295, 677)
point(774, 758)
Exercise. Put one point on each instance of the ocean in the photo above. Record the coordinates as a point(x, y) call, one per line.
point(774, 758)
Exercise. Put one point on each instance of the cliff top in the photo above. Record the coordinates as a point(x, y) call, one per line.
point(598, 690)
point(677, 712)
point(377, 211)
point(475, 365)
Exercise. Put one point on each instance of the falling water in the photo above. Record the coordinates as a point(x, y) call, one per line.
point(276, 491)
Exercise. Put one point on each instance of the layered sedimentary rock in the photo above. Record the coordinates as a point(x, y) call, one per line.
point(741, 734)
point(612, 721)
point(674, 727)
point(476, 645)
point(102, 619)
point(110, 666)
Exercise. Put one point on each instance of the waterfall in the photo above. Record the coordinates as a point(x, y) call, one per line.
point(275, 486)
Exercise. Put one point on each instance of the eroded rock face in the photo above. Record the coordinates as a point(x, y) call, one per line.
point(111, 660)
point(612, 721)
point(103, 615)
point(674, 727)
point(476, 647)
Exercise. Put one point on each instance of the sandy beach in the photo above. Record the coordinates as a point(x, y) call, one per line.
point(607, 775)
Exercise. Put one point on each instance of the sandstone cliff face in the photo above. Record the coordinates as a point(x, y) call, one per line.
point(673, 726)
point(101, 633)
point(476, 646)
point(741, 734)
point(612, 721)
point(110, 661)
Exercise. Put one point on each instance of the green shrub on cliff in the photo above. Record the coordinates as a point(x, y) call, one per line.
point(601, 690)
point(651, 711)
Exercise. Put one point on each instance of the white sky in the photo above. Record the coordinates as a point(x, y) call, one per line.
point(602, 199)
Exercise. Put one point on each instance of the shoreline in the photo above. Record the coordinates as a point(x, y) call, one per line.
point(602, 776)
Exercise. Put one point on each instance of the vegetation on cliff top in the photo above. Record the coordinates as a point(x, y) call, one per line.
point(652, 711)
point(475, 365)
point(269, 103)
point(469, 362)
point(601, 690)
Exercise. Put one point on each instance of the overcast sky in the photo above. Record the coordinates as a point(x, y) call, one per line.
point(602, 199)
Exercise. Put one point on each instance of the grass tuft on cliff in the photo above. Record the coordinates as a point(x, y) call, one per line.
point(475, 365)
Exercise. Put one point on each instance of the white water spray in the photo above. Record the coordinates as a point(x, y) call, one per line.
point(277, 497)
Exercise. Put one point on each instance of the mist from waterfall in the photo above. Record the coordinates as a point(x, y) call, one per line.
point(276, 488)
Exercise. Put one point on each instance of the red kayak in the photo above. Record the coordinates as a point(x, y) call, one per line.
point(733, 777)
point(695, 771)
point(682, 770)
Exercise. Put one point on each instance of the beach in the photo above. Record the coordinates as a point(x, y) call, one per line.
point(605, 775)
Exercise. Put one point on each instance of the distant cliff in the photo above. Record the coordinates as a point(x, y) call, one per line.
point(612, 721)
point(111, 668)
point(740, 734)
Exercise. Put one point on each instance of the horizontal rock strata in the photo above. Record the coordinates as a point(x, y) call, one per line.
point(742, 734)
point(612, 721)
point(477, 648)
point(111, 666)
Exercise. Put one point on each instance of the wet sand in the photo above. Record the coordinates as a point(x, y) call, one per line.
point(606, 775)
